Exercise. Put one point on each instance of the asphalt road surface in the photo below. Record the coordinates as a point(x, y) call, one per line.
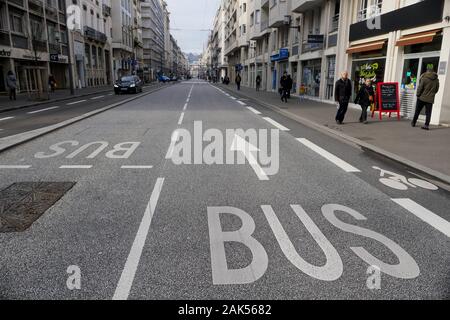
point(324, 220)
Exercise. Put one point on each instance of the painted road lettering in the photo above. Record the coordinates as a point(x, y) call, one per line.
point(407, 267)
point(121, 150)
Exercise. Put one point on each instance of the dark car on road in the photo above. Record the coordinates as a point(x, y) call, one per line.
point(128, 84)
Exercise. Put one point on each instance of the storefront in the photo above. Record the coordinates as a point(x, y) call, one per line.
point(331, 71)
point(5, 66)
point(311, 78)
point(416, 58)
point(368, 62)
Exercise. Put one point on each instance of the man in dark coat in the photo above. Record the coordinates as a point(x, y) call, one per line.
point(342, 95)
point(289, 84)
point(284, 87)
point(428, 88)
point(238, 81)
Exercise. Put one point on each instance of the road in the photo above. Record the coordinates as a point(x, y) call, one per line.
point(32, 118)
point(317, 222)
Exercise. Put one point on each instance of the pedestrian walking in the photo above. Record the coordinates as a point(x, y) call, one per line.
point(11, 83)
point(258, 82)
point(365, 98)
point(283, 87)
point(289, 85)
point(52, 82)
point(428, 88)
point(238, 81)
point(342, 95)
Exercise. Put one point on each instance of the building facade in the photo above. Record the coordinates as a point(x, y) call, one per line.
point(34, 43)
point(315, 40)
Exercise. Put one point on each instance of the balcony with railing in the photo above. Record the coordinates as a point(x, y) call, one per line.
point(334, 24)
point(370, 11)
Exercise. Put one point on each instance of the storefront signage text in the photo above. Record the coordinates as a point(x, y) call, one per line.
point(4, 53)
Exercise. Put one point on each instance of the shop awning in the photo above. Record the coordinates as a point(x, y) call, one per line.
point(369, 46)
point(423, 37)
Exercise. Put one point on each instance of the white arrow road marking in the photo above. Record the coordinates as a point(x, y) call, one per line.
point(137, 167)
point(42, 110)
point(129, 271)
point(276, 124)
point(242, 145)
point(174, 140)
point(7, 118)
point(253, 110)
point(14, 167)
point(76, 102)
point(330, 157)
point(425, 215)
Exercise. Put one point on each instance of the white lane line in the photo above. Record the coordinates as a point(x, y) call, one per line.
point(174, 140)
point(14, 167)
point(185, 107)
point(76, 102)
point(253, 110)
point(137, 167)
point(76, 167)
point(110, 94)
point(42, 110)
point(7, 118)
point(425, 215)
point(188, 99)
point(242, 103)
point(180, 121)
point(276, 124)
point(330, 157)
point(233, 98)
point(129, 271)
point(99, 97)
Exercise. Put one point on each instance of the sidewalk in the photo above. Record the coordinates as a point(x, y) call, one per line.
point(395, 139)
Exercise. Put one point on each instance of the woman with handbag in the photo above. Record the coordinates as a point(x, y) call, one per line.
point(365, 98)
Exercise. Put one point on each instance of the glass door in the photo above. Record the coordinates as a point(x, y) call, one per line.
point(414, 67)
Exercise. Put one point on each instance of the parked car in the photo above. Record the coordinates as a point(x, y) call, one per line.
point(163, 79)
point(174, 78)
point(128, 84)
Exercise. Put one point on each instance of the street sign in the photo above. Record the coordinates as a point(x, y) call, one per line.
point(388, 98)
point(316, 38)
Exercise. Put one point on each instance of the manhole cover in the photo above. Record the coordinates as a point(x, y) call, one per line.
point(21, 204)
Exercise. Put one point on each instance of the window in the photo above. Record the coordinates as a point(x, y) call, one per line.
point(369, 8)
point(16, 23)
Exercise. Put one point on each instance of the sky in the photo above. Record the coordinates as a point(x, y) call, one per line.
point(191, 16)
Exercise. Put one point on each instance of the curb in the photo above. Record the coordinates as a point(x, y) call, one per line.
point(54, 100)
point(12, 141)
point(351, 140)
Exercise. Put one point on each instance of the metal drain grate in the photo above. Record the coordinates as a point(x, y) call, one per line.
point(21, 204)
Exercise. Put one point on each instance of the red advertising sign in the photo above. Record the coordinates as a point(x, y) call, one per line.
point(388, 98)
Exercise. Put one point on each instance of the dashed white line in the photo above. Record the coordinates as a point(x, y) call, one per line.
point(185, 107)
point(242, 103)
point(42, 110)
point(76, 102)
point(327, 155)
point(76, 167)
point(425, 215)
point(233, 98)
point(129, 271)
point(180, 121)
point(7, 118)
point(253, 110)
point(276, 124)
point(137, 167)
point(99, 97)
point(14, 167)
